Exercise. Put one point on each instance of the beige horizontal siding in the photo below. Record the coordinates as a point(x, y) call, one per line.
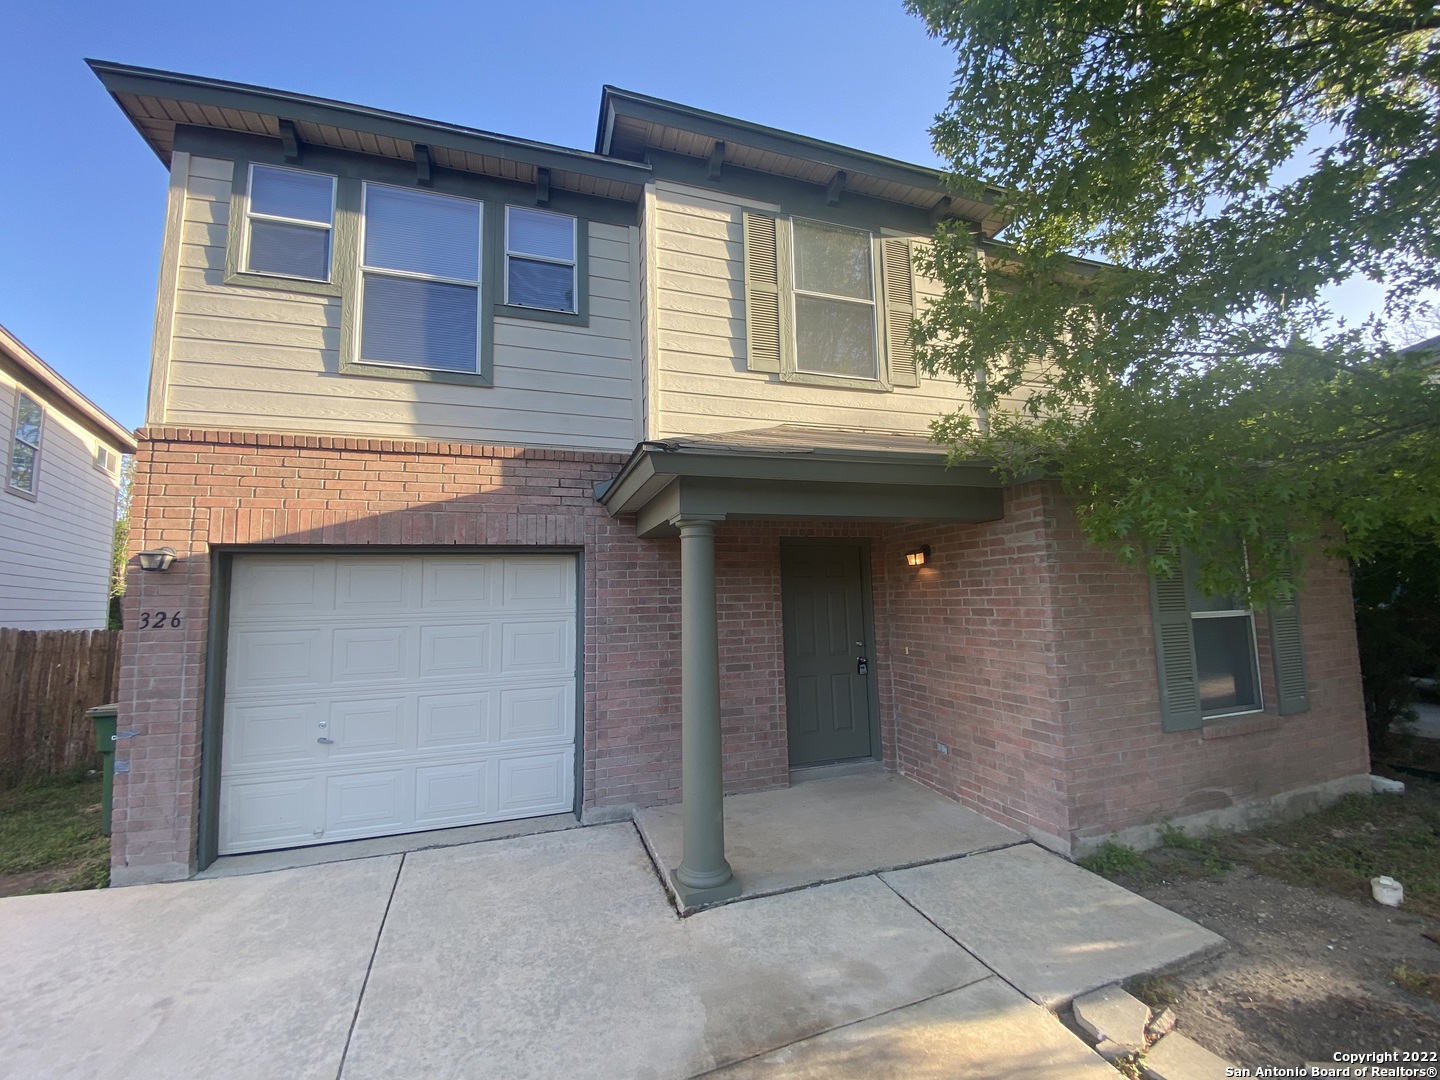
point(267, 359)
point(700, 376)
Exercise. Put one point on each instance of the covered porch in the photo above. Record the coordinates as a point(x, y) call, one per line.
point(687, 487)
point(831, 824)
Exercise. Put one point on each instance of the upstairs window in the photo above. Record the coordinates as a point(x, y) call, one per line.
point(419, 293)
point(290, 218)
point(540, 262)
point(828, 305)
point(23, 475)
point(834, 297)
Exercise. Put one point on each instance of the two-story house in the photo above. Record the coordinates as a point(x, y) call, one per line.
point(61, 457)
point(507, 480)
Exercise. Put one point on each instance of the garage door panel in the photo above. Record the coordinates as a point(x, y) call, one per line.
point(464, 584)
point(272, 735)
point(537, 712)
point(459, 651)
point(257, 814)
point(284, 587)
point(536, 647)
point(444, 687)
point(262, 660)
point(536, 783)
point(373, 801)
point(376, 586)
point(539, 584)
point(455, 720)
point(455, 793)
point(370, 726)
point(377, 654)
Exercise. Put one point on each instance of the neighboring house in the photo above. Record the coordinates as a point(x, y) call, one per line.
point(429, 407)
point(61, 457)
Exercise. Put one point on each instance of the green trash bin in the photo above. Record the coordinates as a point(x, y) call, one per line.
point(104, 719)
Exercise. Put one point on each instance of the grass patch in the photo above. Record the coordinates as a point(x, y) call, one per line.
point(52, 828)
point(1343, 846)
point(1424, 983)
point(1114, 860)
point(1153, 990)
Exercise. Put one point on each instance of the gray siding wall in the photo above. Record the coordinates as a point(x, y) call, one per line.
point(253, 359)
point(55, 550)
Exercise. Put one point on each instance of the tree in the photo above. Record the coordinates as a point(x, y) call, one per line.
point(120, 542)
point(1221, 162)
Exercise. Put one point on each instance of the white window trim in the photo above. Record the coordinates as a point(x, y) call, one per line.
point(328, 227)
point(106, 460)
point(573, 262)
point(33, 492)
point(874, 304)
point(362, 269)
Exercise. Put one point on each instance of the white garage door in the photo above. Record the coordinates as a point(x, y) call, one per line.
point(372, 695)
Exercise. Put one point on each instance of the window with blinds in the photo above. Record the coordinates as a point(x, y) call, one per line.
point(540, 260)
point(290, 219)
point(419, 289)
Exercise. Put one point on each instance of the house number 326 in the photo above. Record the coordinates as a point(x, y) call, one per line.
point(159, 619)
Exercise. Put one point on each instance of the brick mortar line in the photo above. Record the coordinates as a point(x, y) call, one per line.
point(427, 448)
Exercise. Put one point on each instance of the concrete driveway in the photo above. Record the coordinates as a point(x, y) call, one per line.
point(558, 955)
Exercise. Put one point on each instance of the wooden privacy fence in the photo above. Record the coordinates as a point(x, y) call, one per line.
point(48, 678)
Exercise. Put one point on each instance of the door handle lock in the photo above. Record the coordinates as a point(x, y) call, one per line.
point(323, 739)
point(862, 665)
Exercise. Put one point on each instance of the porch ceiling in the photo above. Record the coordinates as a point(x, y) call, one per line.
point(791, 473)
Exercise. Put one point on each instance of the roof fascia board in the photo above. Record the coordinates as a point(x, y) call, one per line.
point(653, 468)
point(77, 404)
point(123, 79)
point(727, 128)
point(774, 500)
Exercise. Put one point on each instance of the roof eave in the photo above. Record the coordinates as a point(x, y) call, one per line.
point(81, 407)
point(124, 78)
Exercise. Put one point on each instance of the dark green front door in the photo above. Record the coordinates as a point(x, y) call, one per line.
point(828, 657)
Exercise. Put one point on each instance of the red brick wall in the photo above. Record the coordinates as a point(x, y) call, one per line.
point(1028, 656)
point(196, 489)
point(975, 665)
point(1032, 657)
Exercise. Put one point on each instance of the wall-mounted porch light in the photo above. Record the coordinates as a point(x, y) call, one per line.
point(918, 557)
point(159, 559)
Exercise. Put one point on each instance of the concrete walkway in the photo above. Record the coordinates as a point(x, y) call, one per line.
point(559, 955)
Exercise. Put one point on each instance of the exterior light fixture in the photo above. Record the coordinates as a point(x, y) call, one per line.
point(158, 560)
point(919, 557)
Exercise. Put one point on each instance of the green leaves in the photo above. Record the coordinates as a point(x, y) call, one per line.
point(1230, 160)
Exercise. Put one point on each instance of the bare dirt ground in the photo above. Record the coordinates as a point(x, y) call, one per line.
point(1307, 974)
point(1310, 971)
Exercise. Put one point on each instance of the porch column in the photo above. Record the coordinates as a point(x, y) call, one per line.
point(703, 875)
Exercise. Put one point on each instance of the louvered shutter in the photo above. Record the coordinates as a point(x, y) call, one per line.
point(763, 338)
point(1287, 648)
point(899, 282)
point(1175, 649)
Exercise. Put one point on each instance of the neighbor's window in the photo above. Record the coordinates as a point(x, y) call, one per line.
point(834, 301)
point(290, 217)
point(24, 472)
point(419, 280)
point(1225, 662)
point(540, 265)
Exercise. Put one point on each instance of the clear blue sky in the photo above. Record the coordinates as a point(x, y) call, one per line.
point(82, 198)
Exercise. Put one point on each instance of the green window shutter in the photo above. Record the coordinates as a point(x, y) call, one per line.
point(1175, 650)
point(1288, 650)
point(763, 336)
point(899, 281)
